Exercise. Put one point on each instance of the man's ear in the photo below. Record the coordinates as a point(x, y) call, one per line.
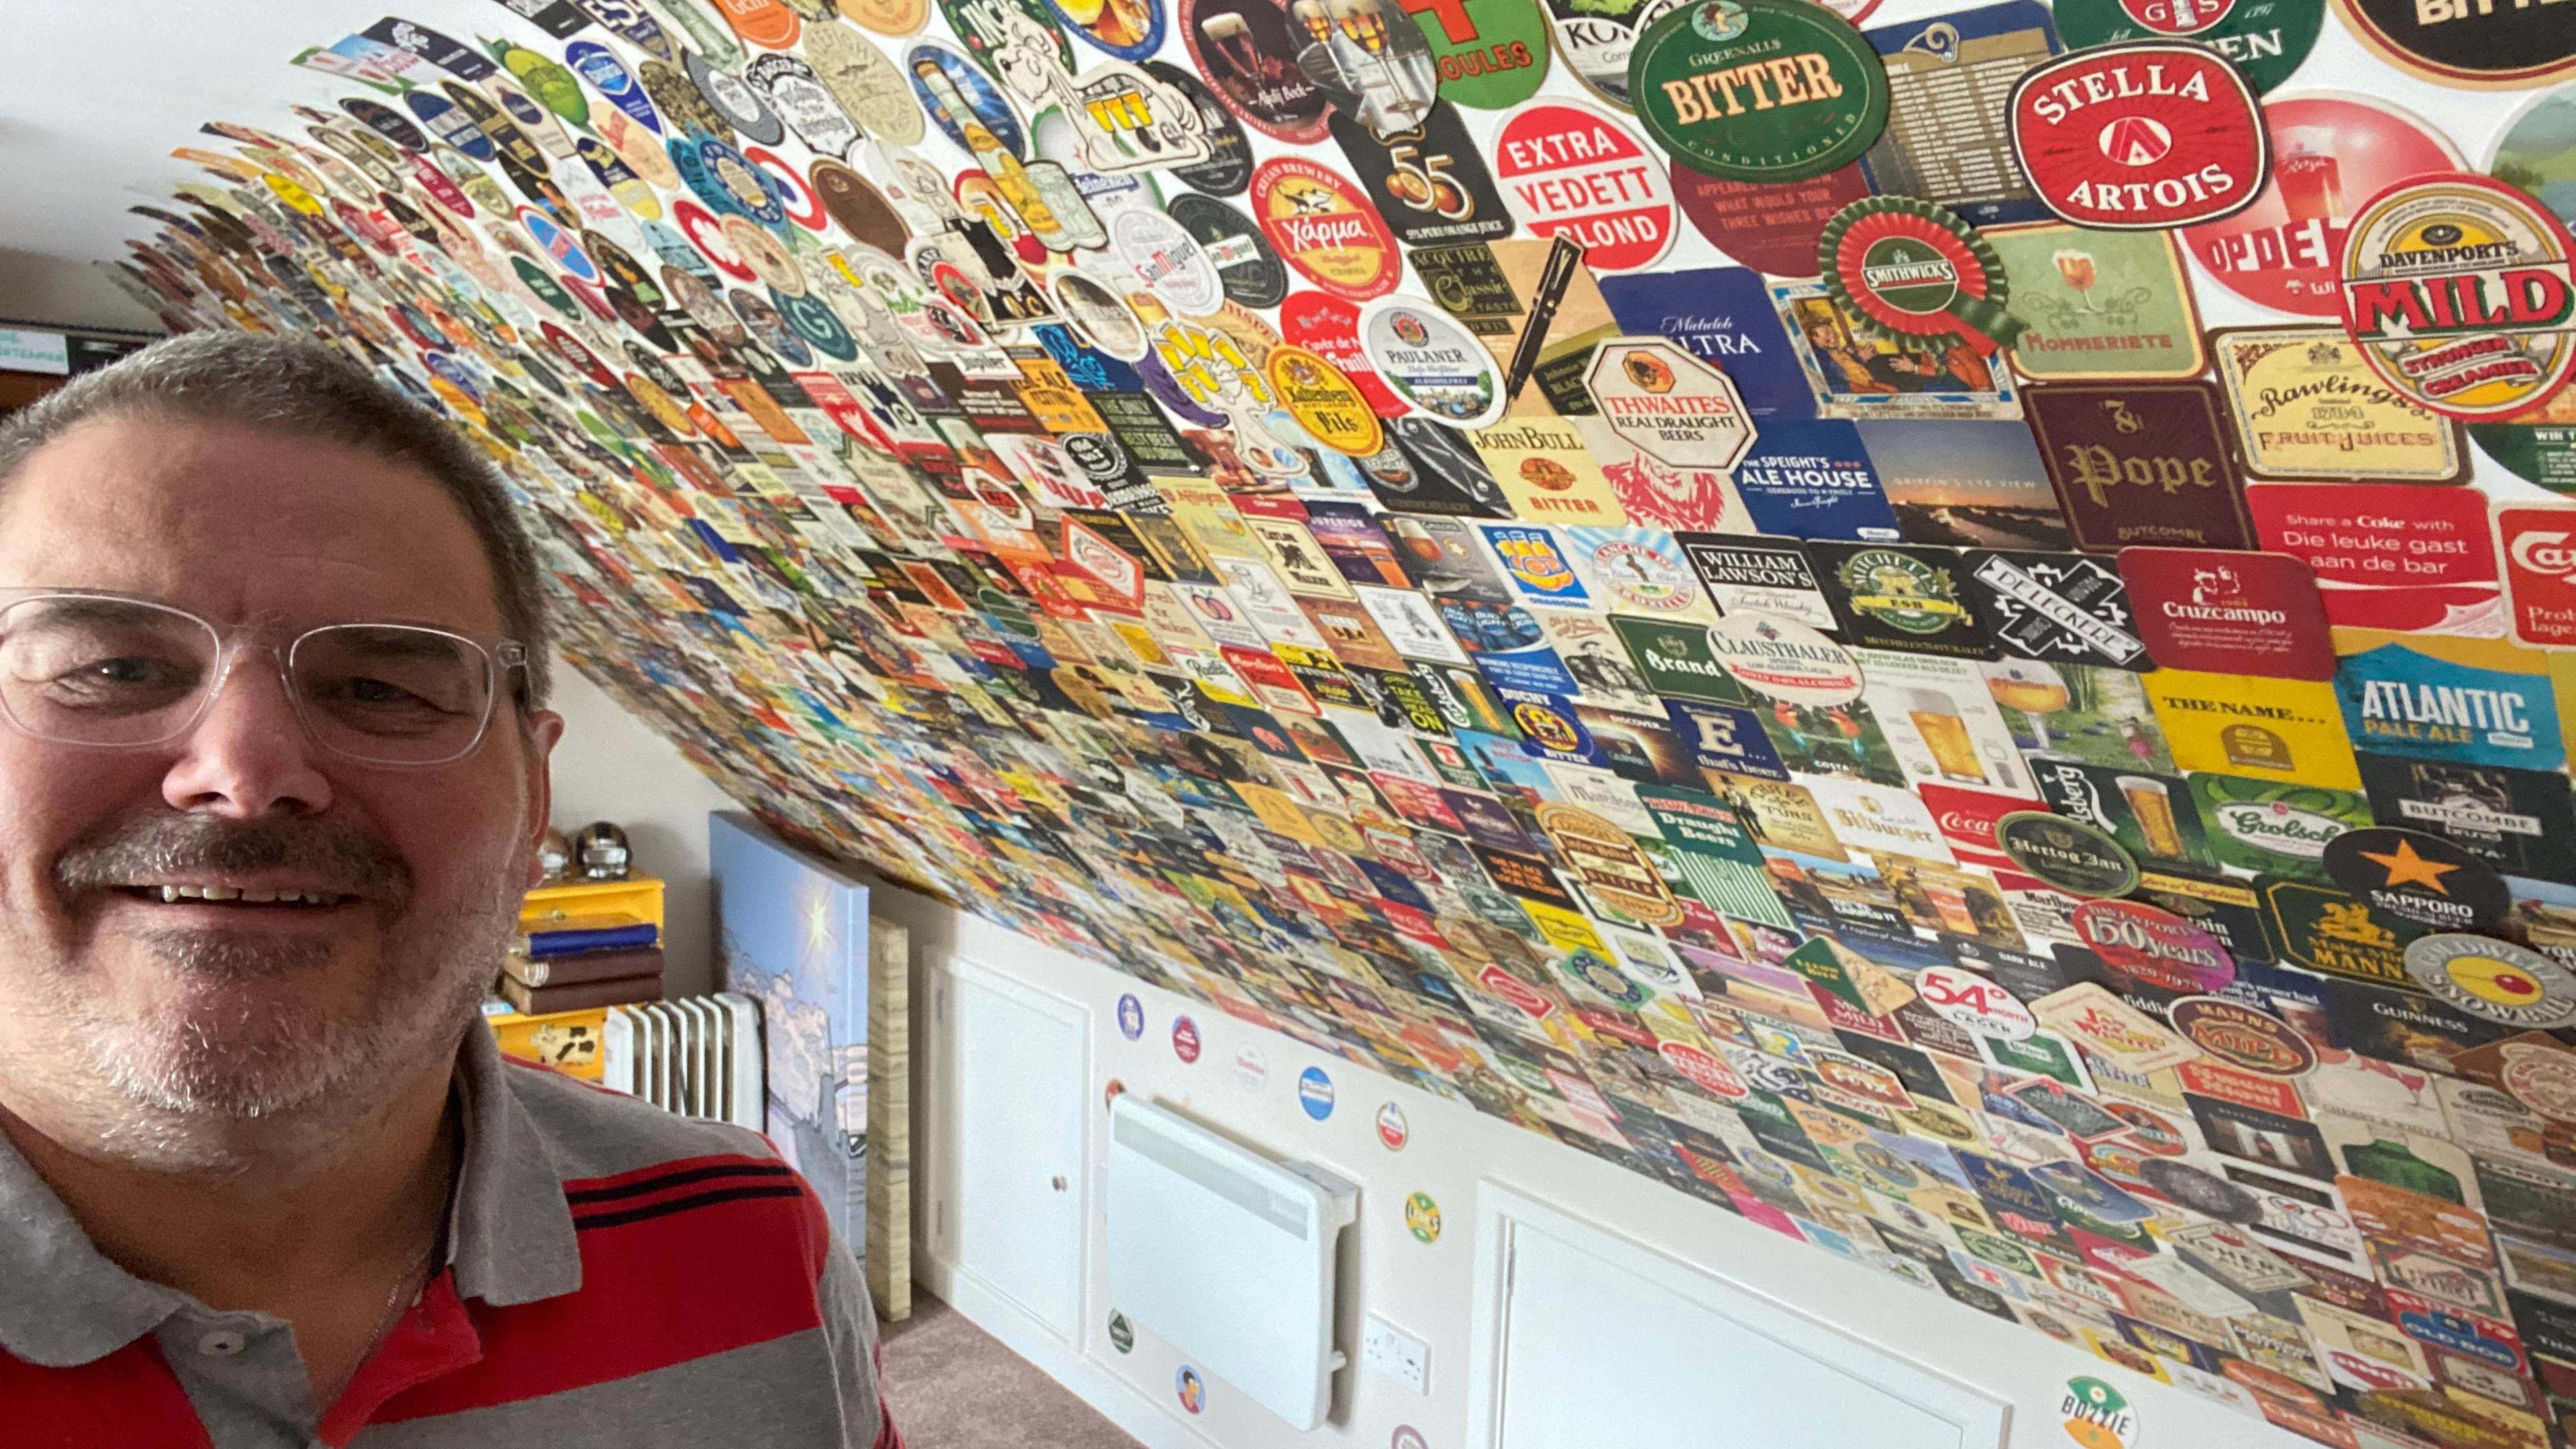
point(540, 731)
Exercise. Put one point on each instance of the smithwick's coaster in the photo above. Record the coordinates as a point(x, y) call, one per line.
point(2229, 611)
point(2140, 137)
point(2079, 859)
point(2493, 980)
point(2418, 877)
point(2462, 295)
point(1916, 272)
point(1758, 90)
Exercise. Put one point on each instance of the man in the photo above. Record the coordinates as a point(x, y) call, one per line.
point(273, 772)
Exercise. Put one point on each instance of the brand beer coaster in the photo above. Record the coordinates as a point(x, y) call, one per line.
point(1489, 54)
point(2228, 611)
point(1570, 170)
point(2154, 947)
point(2267, 39)
point(2418, 877)
point(2140, 137)
point(1325, 229)
point(2066, 607)
point(2493, 980)
point(1931, 149)
point(1324, 402)
point(2461, 294)
point(1906, 598)
point(1914, 271)
point(2466, 42)
point(2079, 859)
point(1431, 361)
point(2307, 407)
point(1758, 90)
point(2243, 1036)
point(2099, 303)
point(1668, 404)
point(2141, 463)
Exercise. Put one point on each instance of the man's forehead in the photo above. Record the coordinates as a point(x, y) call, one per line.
point(239, 522)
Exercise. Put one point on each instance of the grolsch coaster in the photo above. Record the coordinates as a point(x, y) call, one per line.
point(2458, 290)
point(1569, 170)
point(1757, 90)
point(2418, 877)
point(1902, 597)
point(2140, 137)
point(2493, 980)
point(2067, 854)
point(2266, 38)
point(2229, 611)
point(2141, 463)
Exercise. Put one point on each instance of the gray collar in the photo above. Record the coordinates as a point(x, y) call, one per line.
point(510, 1234)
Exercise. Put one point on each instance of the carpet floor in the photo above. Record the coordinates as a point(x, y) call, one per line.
point(952, 1386)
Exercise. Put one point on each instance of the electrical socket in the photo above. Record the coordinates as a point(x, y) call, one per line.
point(1391, 1351)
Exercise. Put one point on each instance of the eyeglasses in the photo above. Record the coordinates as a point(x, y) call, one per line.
point(106, 671)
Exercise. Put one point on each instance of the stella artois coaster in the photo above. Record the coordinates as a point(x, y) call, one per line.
point(1914, 271)
point(2461, 293)
point(2266, 38)
point(2418, 877)
point(2141, 463)
point(2228, 611)
point(2464, 42)
point(1758, 90)
point(2494, 980)
point(2140, 137)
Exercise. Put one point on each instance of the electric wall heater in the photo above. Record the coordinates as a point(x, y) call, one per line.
point(698, 1056)
point(1228, 1255)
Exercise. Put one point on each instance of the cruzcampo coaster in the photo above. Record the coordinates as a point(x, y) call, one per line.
point(1758, 90)
point(1917, 272)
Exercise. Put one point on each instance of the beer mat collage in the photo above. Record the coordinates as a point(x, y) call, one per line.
point(1951, 630)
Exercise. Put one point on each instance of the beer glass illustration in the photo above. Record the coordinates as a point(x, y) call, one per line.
point(2152, 804)
point(1231, 36)
point(1936, 717)
point(2031, 687)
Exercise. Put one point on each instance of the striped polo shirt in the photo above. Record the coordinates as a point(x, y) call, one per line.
point(616, 1277)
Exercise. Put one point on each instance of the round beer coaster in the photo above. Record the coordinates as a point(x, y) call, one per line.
point(2139, 137)
point(1758, 90)
point(1127, 29)
point(1250, 272)
point(1324, 402)
point(1913, 270)
point(1431, 361)
point(2469, 43)
point(1570, 170)
point(2493, 980)
point(2458, 290)
point(2418, 877)
point(1246, 52)
point(1422, 1217)
point(2153, 946)
point(1393, 1131)
point(2533, 144)
point(2070, 855)
point(2242, 1036)
point(2267, 39)
point(1324, 228)
point(1331, 327)
point(1228, 167)
point(1770, 227)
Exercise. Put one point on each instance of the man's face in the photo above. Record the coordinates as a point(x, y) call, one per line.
point(206, 1013)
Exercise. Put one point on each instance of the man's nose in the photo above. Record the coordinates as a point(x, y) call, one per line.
point(249, 755)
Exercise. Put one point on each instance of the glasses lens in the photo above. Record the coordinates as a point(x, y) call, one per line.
point(92, 671)
point(392, 694)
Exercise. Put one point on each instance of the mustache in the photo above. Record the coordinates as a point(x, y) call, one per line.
point(330, 855)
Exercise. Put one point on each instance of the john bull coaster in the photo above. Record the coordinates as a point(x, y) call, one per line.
point(1916, 272)
point(1758, 90)
point(2460, 292)
point(2140, 137)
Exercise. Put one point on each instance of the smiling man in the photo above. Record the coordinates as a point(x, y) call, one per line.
point(272, 775)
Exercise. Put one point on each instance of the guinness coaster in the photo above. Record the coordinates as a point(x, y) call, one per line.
point(2069, 855)
point(2140, 137)
point(2418, 877)
point(2494, 980)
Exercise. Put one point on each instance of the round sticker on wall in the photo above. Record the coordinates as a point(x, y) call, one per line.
point(2494, 980)
point(1784, 659)
point(1185, 1039)
point(1331, 328)
point(1432, 361)
point(1324, 402)
point(1248, 55)
point(2139, 137)
point(1422, 1217)
point(1490, 54)
point(1758, 90)
point(1246, 267)
point(1168, 260)
point(2329, 154)
point(2068, 854)
point(2418, 877)
point(1570, 170)
point(1392, 1129)
point(2461, 293)
point(2096, 1415)
point(1131, 1017)
point(1251, 1068)
point(1191, 1388)
point(1323, 227)
point(1127, 29)
point(1315, 1093)
point(866, 83)
point(1099, 316)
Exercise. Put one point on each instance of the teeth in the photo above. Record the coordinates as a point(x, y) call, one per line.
point(175, 893)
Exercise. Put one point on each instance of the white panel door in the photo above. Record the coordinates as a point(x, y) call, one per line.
point(1599, 1342)
point(1018, 1085)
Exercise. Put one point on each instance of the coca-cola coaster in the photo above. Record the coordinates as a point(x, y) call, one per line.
point(2140, 137)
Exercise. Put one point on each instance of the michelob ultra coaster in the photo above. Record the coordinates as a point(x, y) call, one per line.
point(2494, 980)
point(2140, 137)
point(1758, 90)
point(2460, 292)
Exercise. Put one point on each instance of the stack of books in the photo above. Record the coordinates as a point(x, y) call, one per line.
point(574, 963)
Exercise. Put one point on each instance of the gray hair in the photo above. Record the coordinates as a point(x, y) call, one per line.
point(298, 386)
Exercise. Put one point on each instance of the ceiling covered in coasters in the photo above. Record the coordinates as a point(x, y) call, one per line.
point(1935, 626)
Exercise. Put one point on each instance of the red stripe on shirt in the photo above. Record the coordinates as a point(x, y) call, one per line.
point(126, 1397)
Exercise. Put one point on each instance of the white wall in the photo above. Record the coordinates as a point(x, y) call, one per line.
point(1430, 1290)
point(610, 767)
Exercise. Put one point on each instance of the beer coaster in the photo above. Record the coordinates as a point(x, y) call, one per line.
point(963, 103)
point(1966, 482)
point(1489, 54)
point(1431, 361)
point(1331, 327)
point(2307, 407)
point(1782, 659)
point(1567, 169)
point(2267, 39)
point(2243, 1036)
point(1125, 29)
point(1769, 226)
point(2141, 463)
point(2067, 854)
point(1724, 316)
point(2145, 136)
point(2461, 292)
point(2439, 699)
point(2417, 877)
point(1813, 478)
point(2267, 728)
point(1429, 183)
point(2068, 608)
point(1250, 273)
point(1324, 402)
point(1915, 271)
point(1325, 229)
point(1911, 599)
point(2493, 980)
point(1757, 90)
point(2229, 612)
point(1245, 51)
point(2521, 822)
point(1228, 167)
point(1758, 576)
point(2154, 947)
point(2274, 828)
point(2099, 303)
point(2538, 546)
point(1932, 148)
point(2459, 43)
point(1595, 40)
point(1667, 404)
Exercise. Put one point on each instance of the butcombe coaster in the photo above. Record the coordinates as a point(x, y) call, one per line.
point(1694, 573)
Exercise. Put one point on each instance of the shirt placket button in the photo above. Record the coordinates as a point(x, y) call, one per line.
point(222, 1343)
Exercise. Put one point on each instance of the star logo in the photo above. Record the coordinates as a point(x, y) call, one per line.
point(2405, 867)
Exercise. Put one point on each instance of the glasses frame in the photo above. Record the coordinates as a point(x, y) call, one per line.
point(500, 656)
